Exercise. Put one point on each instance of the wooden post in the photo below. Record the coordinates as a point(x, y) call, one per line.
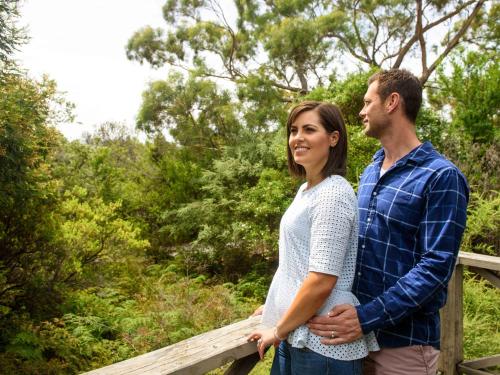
point(452, 325)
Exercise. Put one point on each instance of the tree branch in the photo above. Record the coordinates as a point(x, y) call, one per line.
point(356, 30)
point(349, 48)
point(420, 34)
point(406, 48)
point(453, 42)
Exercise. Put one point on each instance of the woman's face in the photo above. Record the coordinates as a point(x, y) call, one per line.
point(309, 141)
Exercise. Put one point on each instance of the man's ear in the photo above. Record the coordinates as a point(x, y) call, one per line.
point(392, 102)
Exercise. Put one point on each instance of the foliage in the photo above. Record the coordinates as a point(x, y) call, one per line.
point(112, 247)
point(479, 162)
point(481, 325)
point(483, 220)
point(471, 91)
point(105, 325)
point(94, 236)
point(197, 114)
point(11, 36)
point(292, 45)
point(236, 220)
point(27, 192)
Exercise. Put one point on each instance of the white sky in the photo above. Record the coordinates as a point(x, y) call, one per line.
point(81, 45)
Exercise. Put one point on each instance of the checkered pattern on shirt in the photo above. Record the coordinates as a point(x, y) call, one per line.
point(411, 224)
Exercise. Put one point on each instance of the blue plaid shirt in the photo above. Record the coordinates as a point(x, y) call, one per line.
point(411, 224)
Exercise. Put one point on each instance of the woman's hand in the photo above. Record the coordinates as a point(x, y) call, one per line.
point(258, 311)
point(264, 338)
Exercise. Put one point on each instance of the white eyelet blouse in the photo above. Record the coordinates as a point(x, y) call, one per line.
point(319, 233)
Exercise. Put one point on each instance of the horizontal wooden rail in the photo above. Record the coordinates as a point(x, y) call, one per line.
point(486, 262)
point(210, 350)
point(195, 355)
point(474, 366)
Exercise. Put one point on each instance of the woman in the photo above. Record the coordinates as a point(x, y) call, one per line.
point(317, 250)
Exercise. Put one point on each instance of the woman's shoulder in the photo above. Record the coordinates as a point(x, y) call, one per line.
point(335, 192)
point(337, 184)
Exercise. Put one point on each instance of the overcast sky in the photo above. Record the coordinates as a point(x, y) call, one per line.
point(81, 45)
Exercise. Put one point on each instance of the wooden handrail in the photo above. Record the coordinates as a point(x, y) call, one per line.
point(195, 355)
point(486, 262)
point(452, 331)
point(210, 350)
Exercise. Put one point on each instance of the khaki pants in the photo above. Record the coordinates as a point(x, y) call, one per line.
point(409, 360)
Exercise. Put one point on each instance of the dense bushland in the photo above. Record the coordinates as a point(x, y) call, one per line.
point(111, 247)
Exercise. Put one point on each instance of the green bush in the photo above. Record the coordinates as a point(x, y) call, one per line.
point(481, 323)
point(483, 220)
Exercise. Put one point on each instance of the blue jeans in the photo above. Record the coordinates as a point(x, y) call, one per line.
point(294, 361)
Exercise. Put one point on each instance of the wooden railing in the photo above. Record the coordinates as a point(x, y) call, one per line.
point(213, 349)
point(452, 328)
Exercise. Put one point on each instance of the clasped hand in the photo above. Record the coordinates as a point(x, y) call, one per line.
point(340, 326)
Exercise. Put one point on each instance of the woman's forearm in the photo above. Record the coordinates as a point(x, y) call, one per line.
point(310, 297)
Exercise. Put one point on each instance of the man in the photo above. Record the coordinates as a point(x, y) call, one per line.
point(412, 206)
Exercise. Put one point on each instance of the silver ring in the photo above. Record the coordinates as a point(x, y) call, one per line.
point(332, 335)
point(259, 341)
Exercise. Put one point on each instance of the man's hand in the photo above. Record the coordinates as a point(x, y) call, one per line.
point(339, 327)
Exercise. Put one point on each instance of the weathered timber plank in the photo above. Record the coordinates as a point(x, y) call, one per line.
point(452, 325)
point(470, 371)
point(484, 362)
point(488, 275)
point(193, 356)
point(479, 260)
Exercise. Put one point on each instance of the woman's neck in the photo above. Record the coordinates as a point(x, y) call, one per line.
point(313, 180)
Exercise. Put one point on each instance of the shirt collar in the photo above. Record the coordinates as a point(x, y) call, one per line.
point(415, 156)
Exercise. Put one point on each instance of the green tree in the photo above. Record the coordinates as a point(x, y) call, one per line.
point(27, 191)
point(294, 45)
point(198, 115)
point(472, 93)
point(11, 36)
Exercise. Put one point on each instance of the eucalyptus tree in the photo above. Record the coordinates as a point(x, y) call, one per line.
point(292, 45)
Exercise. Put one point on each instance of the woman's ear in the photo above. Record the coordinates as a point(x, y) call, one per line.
point(334, 138)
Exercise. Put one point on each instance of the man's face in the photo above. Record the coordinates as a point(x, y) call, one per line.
point(374, 117)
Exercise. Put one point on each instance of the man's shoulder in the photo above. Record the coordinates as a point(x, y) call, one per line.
point(435, 163)
point(435, 158)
